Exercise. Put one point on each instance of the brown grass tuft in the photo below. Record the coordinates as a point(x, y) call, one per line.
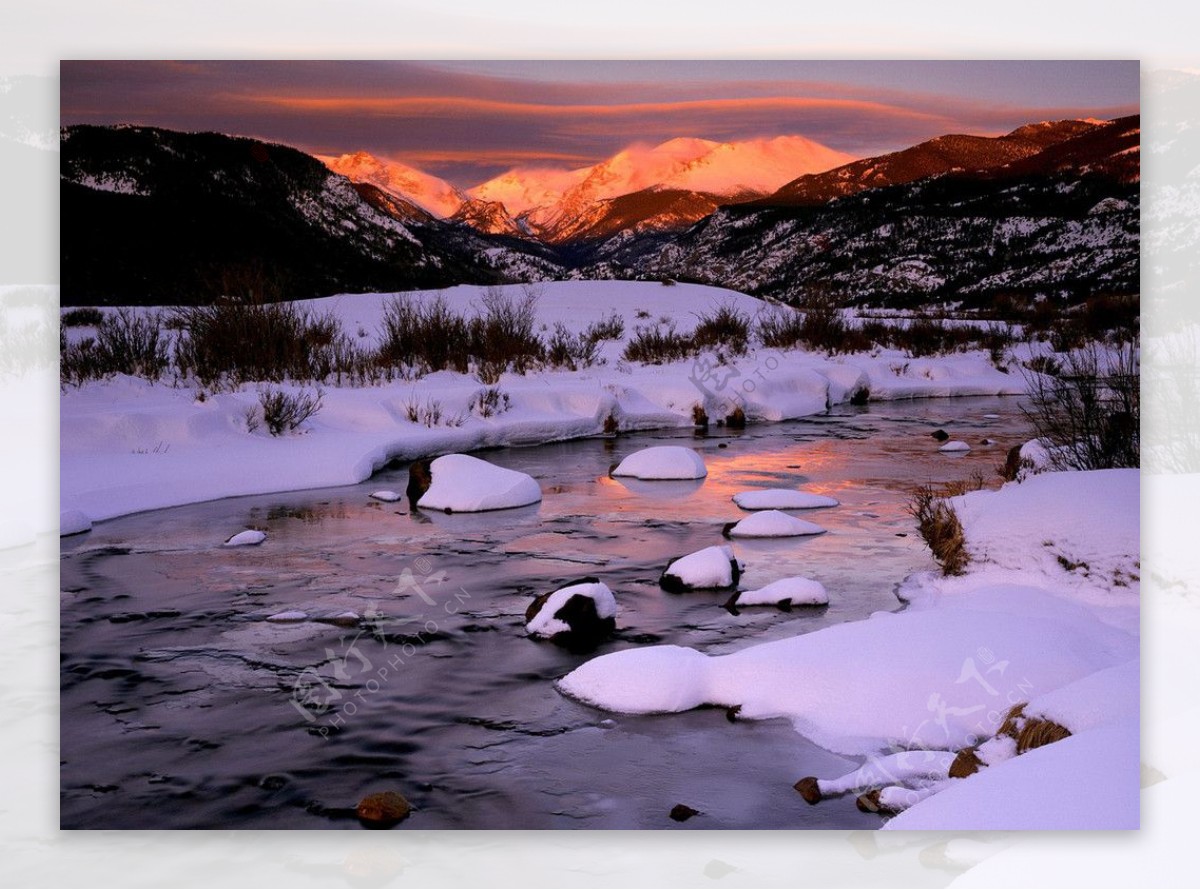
point(967, 763)
point(1038, 732)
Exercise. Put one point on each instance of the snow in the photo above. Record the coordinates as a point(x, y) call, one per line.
point(915, 767)
point(249, 538)
point(544, 624)
point(773, 524)
point(465, 484)
point(920, 691)
point(73, 522)
point(798, 591)
point(288, 617)
point(707, 568)
point(782, 499)
point(647, 680)
point(110, 429)
point(955, 445)
point(431, 194)
point(1087, 781)
point(663, 462)
point(1096, 700)
point(386, 494)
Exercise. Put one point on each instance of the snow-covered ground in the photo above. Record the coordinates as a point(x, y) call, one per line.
point(1046, 616)
point(128, 445)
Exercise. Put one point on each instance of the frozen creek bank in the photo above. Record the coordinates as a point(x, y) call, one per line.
point(1049, 604)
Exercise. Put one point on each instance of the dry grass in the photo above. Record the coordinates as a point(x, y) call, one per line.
point(940, 527)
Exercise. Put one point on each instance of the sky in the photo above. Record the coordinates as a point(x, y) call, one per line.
point(469, 121)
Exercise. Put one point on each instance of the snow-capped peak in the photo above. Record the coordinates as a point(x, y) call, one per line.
point(431, 194)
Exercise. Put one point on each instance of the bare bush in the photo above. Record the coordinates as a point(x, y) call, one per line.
point(283, 412)
point(656, 344)
point(1089, 415)
point(725, 327)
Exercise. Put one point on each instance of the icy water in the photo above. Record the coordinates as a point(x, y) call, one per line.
point(182, 707)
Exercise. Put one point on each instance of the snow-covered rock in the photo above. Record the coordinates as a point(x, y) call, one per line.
point(712, 567)
point(784, 592)
point(290, 616)
point(955, 445)
point(464, 484)
point(385, 494)
point(646, 680)
point(663, 462)
point(579, 613)
point(73, 522)
point(782, 499)
point(772, 524)
point(249, 538)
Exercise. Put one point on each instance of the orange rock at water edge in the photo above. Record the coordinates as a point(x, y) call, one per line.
point(383, 809)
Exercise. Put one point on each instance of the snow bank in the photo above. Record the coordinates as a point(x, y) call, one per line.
point(782, 499)
point(465, 484)
point(128, 446)
point(545, 624)
point(921, 687)
point(797, 591)
point(1087, 781)
point(712, 567)
point(650, 680)
point(772, 524)
point(663, 462)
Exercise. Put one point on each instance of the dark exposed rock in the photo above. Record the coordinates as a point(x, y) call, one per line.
point(420, 477)
point(809, 789)
point(940, 435)
point(681, 812)
point(588, 628)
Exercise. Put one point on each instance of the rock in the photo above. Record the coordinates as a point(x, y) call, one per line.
point(387, 494)
point(460, 483)
point(713, 568)
point(291, 616)
point(869, 803)
point(771, 524)
point(382, 809)
point(419, 480)
point(341, 619)
point(663, 462)
point(860, 396)
point(956, 446)
point(809, 789)
point(249, 538)
point(986, 441)
point(966, 763)
point(782, 499)
point(579, 615)
point(940, 435)
point(681, 812)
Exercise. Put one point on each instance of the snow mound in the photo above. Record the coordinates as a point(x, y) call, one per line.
point(546, 623)
point(73, 522)
point(249, 538)
point(796, 591)
point(385, 495)
point(288, 617)
point(712, 567)
point(955, 445)
point(663, 462)
point(782, 499)
point(930, 695)
point(651, 680)
point(772, 524)
point(465, 484)
point(1100, 698)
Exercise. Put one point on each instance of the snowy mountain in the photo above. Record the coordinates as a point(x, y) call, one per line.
point(561, 206)
point(433, 195)
point(998, 217)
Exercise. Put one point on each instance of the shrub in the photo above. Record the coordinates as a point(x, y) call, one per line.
point(430, 414)
point(126, 342)
point(611, 328)
point(1089, 415)
point(283, 412)
point(424, 335)
point(571, 351)
point(503, 337)
point(490, 402)
point(85, 316)
point(726, 327)
point(780, 327)
point(235, 341)
point(658, 344)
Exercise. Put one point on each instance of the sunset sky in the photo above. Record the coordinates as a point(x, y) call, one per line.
point(468, 121)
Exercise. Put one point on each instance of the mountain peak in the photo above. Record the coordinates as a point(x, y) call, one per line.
point(431, 194)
